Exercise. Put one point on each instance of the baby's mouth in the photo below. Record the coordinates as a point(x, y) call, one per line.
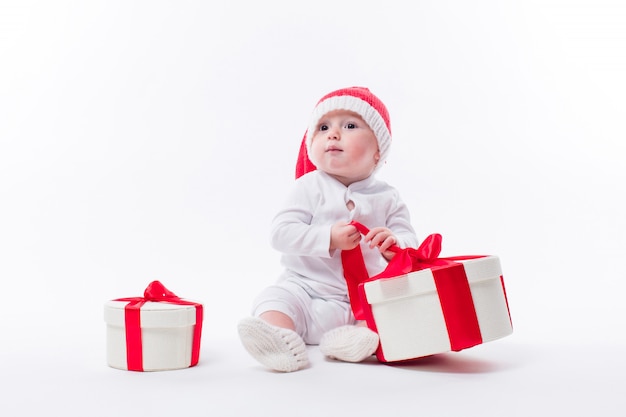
point(333, 149)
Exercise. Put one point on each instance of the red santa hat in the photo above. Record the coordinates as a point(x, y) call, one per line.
point(359, 100)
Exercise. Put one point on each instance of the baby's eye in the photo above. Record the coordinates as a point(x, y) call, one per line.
point(350, 125)
point(323, 127)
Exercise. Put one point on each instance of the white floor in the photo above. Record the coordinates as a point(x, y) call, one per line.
point(505, 377)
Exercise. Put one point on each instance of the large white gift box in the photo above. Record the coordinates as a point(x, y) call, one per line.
point(423, 305)
point(419, 314)
point(157, 332)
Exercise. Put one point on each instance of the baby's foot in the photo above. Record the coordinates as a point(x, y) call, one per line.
point(277, 348)
point(349, 343)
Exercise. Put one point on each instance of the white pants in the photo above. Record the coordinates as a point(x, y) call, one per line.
point(312, 314)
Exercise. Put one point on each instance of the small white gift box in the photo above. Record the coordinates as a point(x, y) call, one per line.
point(157, 332)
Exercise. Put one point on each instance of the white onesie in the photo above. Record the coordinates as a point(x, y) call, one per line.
point(312, 289)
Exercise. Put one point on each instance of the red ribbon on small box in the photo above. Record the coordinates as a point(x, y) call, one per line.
point(450, 280)
point(155, 292)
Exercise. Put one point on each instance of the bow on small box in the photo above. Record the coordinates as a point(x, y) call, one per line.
point(450, 279)
point(155, 292)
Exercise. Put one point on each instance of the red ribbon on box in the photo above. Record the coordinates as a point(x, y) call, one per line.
point(450, 280)
point(155, 292)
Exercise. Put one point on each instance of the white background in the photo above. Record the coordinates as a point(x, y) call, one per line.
point(145, 140)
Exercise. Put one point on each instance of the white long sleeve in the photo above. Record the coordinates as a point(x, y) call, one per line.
point(301, 230)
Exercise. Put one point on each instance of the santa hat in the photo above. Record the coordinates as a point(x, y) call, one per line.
point(359, 100)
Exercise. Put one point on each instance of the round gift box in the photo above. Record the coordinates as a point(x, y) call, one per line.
point(167, 332)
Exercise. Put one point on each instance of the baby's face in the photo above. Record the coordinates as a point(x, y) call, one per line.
point(345, 147)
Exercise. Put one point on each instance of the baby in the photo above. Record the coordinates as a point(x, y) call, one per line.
point(347, 141)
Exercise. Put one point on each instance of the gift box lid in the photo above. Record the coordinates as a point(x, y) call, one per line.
point(422, 282)
point(153, 314)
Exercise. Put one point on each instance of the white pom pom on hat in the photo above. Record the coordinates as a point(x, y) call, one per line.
point(359, 100)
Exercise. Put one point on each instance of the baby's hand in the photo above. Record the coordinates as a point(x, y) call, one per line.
point(344, 236)
point(382, 238)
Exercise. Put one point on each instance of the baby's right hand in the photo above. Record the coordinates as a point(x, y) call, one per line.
point(344, 236)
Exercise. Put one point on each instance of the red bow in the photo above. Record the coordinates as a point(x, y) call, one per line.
point(405, 261)
point(409, 259)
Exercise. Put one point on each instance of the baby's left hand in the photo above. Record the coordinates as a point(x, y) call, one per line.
point(382, 238)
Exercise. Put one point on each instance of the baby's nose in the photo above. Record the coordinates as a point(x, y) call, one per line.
point(333, 134)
